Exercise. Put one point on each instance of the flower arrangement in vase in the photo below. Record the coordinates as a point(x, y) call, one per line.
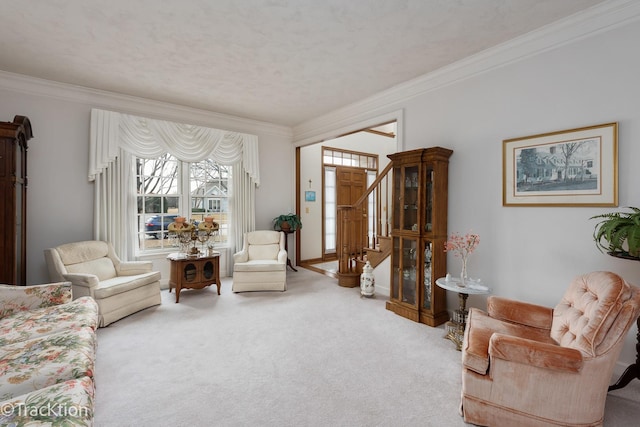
point(462, 247)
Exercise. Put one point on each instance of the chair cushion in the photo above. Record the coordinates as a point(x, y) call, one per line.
point(118, 285)
point(16, 298)
point(89, 257)
point(82, 312)
point(263, 244)
point(36, 363)
point(480, 327)
point(263, 237)
point(587, 310)
point(77, 252)
point(263, 252)
point(259, 265)
point(103, 268)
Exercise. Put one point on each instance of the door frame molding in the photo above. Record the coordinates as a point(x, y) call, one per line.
point(339, 128)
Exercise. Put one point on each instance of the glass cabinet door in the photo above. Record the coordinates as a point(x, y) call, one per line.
point(406, 186)
point(405, 271)
point(410, 198)
point(398, 194)
point(409, 271)
point(428, 226)
point(395, 268)
point(428, 274)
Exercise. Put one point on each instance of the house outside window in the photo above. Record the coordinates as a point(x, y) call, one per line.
point(167, 188)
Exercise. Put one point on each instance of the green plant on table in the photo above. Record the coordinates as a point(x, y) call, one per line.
point(287, 222)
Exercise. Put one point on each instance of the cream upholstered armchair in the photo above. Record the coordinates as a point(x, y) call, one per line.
point(120, 288)
point(261, 265)
point(528, 365)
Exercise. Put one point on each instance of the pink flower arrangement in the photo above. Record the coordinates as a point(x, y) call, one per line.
point(462, 246)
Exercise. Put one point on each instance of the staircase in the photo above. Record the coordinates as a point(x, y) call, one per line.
point(372, 241)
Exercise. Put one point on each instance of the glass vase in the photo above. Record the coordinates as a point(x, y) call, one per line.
point(463, 274)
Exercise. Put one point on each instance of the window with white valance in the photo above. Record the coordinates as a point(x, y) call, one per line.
point(117, 139)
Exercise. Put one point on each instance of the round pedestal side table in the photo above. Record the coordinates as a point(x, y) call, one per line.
point(455, 327)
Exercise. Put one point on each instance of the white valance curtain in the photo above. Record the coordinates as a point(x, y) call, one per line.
point(116, 139)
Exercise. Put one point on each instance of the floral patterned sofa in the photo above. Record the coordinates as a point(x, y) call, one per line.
point(47, 355)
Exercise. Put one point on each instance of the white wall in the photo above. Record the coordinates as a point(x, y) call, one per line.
point(60, 197)
point(533, 252)
point(529, 253)
point(311, 168)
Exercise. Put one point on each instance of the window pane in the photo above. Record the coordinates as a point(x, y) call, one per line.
point(329, 209)
point(152, 204)
point(344, 158)
point(163, 193)
point(157, 183)
point(209, 187)
point(171, 204)
point(327, 157)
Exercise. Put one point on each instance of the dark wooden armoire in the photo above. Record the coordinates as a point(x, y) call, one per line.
point(13, 200)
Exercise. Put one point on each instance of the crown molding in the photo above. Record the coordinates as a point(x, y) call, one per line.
point(128, 104)
point(595, 20)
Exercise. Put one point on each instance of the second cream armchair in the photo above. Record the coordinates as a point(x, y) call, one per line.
point(261, 265)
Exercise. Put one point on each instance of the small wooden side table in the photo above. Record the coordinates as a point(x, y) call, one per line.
point(455, 327)
point(193, 273)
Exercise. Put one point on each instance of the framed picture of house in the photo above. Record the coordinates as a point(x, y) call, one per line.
point(575, 167)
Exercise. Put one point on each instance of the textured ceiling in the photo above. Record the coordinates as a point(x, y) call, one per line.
point(279, 61)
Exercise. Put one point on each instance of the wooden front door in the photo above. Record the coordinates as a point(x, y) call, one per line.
point(351, 183)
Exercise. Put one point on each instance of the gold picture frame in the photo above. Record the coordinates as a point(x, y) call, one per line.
point(575, 167)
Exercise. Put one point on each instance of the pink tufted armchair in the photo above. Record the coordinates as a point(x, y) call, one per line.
point(528, 365)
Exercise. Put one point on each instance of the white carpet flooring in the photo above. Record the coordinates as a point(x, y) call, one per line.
point(315, 355)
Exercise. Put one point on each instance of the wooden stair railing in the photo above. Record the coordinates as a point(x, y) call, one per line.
point(352, 248)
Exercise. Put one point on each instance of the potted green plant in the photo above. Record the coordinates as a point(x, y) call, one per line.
point(287, 223)
point(620, 232)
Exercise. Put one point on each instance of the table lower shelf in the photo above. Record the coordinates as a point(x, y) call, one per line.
point(455, 328)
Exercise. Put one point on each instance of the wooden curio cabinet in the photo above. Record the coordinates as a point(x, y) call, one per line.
point(13, 199)
point(419, 230)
